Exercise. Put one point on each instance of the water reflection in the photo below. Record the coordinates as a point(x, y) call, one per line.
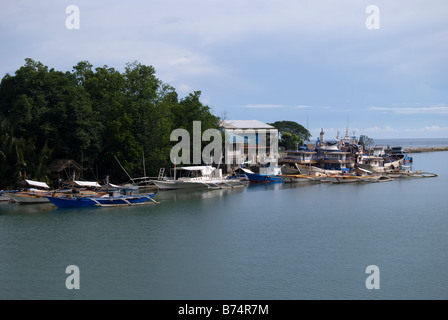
point(15, 208)
point(187, 194)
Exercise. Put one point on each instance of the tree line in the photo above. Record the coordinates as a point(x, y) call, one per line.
point(91, 116)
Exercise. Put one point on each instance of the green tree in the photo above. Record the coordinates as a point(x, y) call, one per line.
point(91, 116)
point(366, 142)
point(190, 109)
point(293, 128)
point(290, 141)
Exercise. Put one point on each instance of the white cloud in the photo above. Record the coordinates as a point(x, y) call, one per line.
point(423, 110)
point(180, 61)
point(273, 106)
point(183, 88)
point(303, 107)
point(435, 129)
point(263, 106)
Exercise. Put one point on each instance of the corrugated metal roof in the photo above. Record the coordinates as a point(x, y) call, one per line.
point(245, 124)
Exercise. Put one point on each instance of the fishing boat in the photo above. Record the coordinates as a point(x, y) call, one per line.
point(263, 178)
point(397, 153)
point(4, 197)
point(316, 171)
point(407, 173)
point(268, 174)
point(191, 177)
point(136, 184)
point(35, 192)
point(109, 200)
point(291, 178)
point(375, 178)
point(125, 189)
point(421, 174)
point(29, 197)
point(381, 162)
point(343, 178)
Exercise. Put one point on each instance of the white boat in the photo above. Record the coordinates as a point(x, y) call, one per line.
point(316, 171)
point(378, 161)
point(192, 177)
point(29, 197)
point(35, 193)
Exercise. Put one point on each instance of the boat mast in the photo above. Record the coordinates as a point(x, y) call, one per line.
point(175, 168)
point(124, 170)
point(144, 168)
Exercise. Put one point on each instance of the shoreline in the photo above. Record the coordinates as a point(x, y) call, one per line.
point(424, 149)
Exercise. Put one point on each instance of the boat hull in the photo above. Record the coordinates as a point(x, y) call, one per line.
point(199, 184)
point(296, 178)
point(343, 179)
point(27, 198)
point(85, 202)
point(263, 178)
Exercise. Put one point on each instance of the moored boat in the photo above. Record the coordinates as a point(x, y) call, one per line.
point(263, 178)
point(371, 178)
point(4, 197)
point(343, 178)
point(291, 178)
point(35, 192)
point(104, 201)
point(29, 197)
point(206, 177)
point(268, 174)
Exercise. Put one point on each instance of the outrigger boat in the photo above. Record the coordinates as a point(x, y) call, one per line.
point(291, 178)
point(104, 201)
point(35, 193)
point(343, 178)
point(29, 197)
point(206, 177)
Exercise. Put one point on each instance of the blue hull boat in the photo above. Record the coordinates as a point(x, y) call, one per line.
point(84, 202)
point(263, 178)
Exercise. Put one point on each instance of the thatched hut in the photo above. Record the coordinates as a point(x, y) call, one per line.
point(65, 169)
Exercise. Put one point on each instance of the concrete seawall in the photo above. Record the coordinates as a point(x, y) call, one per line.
point(425, 149)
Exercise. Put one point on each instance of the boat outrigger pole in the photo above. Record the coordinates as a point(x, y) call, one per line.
point(124, 170)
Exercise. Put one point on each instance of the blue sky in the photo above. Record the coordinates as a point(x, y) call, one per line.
point(313, 62)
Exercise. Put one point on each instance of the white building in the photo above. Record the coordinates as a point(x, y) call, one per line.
point(250, 141)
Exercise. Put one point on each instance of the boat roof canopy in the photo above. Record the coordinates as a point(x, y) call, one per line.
point(37, 184)
point(203, 169)
point(111, 185)
point(86, 184)
point(364, 170)
point(246, 170)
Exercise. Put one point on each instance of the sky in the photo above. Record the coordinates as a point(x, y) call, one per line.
point(326, 64)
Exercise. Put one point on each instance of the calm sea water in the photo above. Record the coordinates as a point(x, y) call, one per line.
point(269, 242)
